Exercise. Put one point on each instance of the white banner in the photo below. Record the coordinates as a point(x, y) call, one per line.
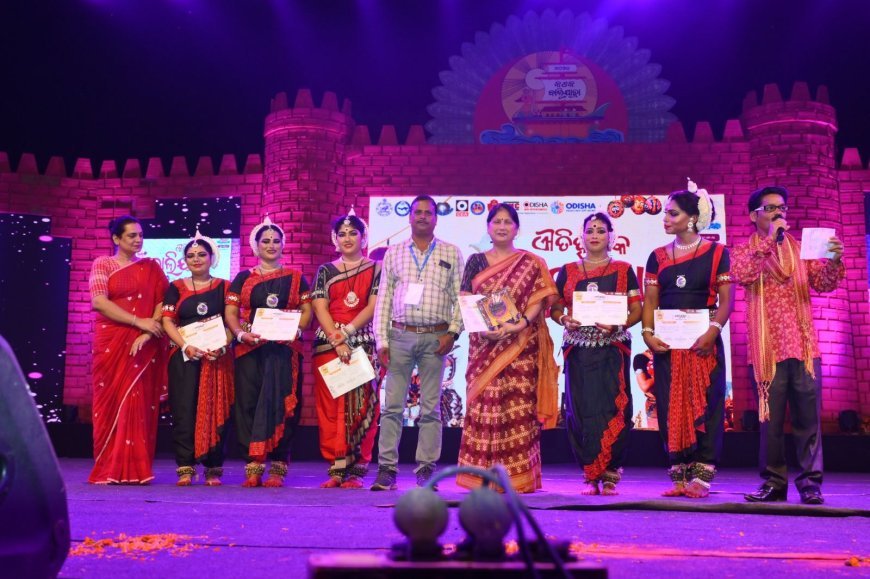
point(550, 228)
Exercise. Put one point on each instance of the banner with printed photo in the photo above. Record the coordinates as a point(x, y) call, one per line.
point(550, 228)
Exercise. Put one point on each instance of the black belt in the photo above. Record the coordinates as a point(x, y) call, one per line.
point(421, 329)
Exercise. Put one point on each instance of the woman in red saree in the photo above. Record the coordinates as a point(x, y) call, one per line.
point(129, 358)
point(511, 376)
point(344, 303)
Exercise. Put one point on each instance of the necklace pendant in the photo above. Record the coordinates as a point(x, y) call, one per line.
point(202, 308)
point(272, 300)
point(592, 287)
point(351, 299)
point(681, 281)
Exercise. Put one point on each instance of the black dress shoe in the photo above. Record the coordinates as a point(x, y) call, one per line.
point(812, 496)
point(767, 494)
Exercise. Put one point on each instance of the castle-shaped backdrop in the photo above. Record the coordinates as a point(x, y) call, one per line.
point(317, 162)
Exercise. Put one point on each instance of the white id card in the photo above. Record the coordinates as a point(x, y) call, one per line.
point(414, 294)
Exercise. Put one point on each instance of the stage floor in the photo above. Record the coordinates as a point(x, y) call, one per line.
point(231, 531)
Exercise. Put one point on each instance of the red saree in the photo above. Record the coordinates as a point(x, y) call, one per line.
point(127, 389)
point(512, 383)
point(347, 425)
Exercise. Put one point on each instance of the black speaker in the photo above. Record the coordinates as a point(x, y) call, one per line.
point(34, 521)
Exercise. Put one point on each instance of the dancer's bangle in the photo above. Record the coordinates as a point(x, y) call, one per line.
point(562, 319)
point(715, 324)
point(648, 331)
point(239, 333)
point(133, 323)
point(349, 330)
point(528, 323)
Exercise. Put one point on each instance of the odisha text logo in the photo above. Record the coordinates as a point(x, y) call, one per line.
point(557, 207)
point(403, 208)
point(584, 206)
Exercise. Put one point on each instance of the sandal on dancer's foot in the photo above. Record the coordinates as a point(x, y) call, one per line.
point(277, 472)
point(677, 474)
point(213, 476)
point(254, 474)
point(186, 475)
point(591, 488)
point(701, 476)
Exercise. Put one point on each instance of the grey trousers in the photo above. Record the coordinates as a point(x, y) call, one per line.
point(407, 350)
point(792, 386)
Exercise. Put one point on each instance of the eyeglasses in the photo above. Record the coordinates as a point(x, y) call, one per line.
point(772, 208)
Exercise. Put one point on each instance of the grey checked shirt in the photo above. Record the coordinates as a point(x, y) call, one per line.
point(441, 277)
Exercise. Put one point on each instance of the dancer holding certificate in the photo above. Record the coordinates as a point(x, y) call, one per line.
point(200, 370)
point(268, 373)
point(129, 358)
point(689, 273)
point(597, 356)
point(511, 372)
point(344, 303)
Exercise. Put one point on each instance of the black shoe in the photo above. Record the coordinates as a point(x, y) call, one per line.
point(812, 496)
point(386, 480)
point(423, 476)
point(767, 494)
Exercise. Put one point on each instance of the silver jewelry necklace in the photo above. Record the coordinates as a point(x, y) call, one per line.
point(201, 307)
point(272, 298)
point(681, 278)
point(593, 286)
point(351, 299)
point(688, 246)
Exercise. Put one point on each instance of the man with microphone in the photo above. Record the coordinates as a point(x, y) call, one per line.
point(783, 348)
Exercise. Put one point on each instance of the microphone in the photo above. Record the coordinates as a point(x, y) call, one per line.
point(780, 231)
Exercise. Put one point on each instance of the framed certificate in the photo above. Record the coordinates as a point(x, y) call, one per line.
point(276, 325)
point(498, 308)
point(590, 308)
point(208, 334)
point(341, 378)
point(680, 328)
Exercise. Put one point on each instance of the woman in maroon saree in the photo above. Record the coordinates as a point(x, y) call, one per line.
point(511, 376)
point(129, 358)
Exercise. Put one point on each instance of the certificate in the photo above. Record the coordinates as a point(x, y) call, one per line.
point(276, 325)
point(591, 307)
point(341, 378)
point(472, 318)
point(680, 328)
point(207, 335)
point(814, 242)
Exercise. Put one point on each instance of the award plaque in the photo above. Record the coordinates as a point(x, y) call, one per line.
point(498, 308)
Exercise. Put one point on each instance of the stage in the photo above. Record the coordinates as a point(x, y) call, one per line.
point(231, 531)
